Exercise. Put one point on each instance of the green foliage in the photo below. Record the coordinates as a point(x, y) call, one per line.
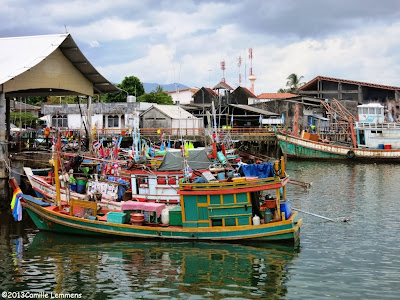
point(27, 119)
point(131, 85)
point(37, 100)
point(158, 96)
point(284, 90)
point(64, 99)
point(294, 81)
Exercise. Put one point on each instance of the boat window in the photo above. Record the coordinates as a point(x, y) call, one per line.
point(362, 137)
point(143, 181)
point(365, 110)
point(216, 222)
point(379, 111)
point(379, 131)
point(372, 110)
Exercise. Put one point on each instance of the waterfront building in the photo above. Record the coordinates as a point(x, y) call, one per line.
point(183, 96)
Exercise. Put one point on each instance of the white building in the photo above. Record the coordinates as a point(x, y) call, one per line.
point(117, 115)
point(184, 96)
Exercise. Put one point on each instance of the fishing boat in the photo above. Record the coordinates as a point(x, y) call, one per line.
point(142, 182)
point(373, 140)
point(211, 209)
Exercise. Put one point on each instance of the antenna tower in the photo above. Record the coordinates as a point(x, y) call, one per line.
point(239, 65)
point(223, 70)
point(252, 78)
point(251, 61)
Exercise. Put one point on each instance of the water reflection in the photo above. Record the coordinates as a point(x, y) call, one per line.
point(108, 269)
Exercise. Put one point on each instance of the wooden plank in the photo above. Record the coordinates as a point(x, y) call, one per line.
point(83, 204)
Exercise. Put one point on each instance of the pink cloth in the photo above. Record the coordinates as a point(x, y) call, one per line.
point(148, 206)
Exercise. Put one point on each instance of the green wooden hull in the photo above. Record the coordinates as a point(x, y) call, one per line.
point(49, 220)
point(306, 149)
point(299, 151)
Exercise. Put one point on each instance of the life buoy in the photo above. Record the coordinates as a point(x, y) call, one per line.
point(350, 154)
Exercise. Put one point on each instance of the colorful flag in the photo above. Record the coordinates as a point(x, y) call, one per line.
point(186, 149)
point(101, 151)
point(16, 206)
point(96, 145)
point(16, 193)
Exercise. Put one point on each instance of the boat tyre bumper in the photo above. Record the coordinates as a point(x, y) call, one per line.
point(350, 154)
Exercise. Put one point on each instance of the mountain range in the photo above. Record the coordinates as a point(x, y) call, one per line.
point(149, 87)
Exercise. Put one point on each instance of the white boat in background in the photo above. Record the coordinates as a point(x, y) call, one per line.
point(374, 140)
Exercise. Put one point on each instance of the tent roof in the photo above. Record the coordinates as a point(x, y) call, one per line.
point(19, 54)
point(197, 160)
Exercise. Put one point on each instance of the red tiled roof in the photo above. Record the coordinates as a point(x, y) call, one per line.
point(276, 96)
point(183, 90)
point(379, 86)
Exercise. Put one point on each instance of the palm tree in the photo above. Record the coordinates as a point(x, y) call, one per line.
point(294, 81)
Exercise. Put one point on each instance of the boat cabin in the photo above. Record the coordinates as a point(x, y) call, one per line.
point(372, 130)
point(371, 113)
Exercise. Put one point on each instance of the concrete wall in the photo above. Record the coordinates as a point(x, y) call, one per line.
point(287, 108)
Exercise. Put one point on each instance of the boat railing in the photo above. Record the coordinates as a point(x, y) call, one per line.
point(367, 125)
point(239, 183)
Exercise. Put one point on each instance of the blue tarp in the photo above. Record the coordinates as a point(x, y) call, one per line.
point(35, 200)
point(258, 170)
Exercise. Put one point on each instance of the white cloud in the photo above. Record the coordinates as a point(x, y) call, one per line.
point(156, 66)
point(94, 44)
point(160, 41)
point(109, 29)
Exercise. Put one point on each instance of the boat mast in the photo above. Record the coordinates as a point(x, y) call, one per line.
point(56, 178)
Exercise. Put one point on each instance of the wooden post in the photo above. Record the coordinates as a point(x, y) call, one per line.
point(89, 123)
point(4, 161)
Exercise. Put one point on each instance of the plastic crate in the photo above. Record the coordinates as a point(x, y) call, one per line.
point(116, 217)
point(285, 207)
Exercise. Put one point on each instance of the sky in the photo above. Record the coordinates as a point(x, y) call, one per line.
point(185, 41)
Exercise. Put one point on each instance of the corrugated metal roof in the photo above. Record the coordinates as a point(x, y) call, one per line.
point(254, 109)
point(16, 105)
point(373, 85)
point(172, 111)
point(19, 54)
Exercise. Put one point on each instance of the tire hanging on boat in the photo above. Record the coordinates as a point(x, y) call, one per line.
point(350, 154)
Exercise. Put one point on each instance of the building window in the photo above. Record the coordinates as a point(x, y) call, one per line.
point(59, 121)
point(113, 121)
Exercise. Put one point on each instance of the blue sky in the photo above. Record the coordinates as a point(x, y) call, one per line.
point(185, 40)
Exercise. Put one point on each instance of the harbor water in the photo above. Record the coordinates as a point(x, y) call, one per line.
point(357, 259)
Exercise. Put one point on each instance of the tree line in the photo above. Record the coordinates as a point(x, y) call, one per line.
point(131, 85)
